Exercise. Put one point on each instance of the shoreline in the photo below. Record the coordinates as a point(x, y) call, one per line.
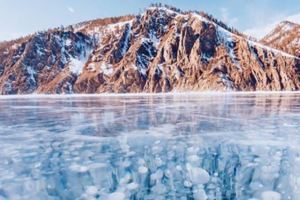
point(204, 93)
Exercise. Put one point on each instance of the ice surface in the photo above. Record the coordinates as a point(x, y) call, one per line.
point(271, 195)
point(210, 146)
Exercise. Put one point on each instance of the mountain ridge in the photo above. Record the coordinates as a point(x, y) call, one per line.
point(285, 37)
point(160, 50)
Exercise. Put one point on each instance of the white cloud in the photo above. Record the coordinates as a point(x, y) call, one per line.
point(224, 14)
point(261, 31)
point(232, 21)
point(71, 10)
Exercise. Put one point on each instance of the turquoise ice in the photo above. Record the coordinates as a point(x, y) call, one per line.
point(180, 146)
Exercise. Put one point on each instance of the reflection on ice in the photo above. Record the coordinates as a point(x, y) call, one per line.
point(151, 147)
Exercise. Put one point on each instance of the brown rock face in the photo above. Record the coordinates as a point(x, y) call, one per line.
point(285, 37)
point(38, 63)
point(161, 50)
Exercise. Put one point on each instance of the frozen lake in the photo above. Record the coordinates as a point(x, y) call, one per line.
point(187, 146)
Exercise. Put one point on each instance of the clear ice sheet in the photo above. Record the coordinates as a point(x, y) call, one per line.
point(184, 146)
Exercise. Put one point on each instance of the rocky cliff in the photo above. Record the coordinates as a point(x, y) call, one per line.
point(285, 37)
point(160, 50)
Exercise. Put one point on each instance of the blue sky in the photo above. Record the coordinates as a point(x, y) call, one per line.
point(21, 17)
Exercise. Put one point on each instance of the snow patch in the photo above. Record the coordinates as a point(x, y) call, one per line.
point(68, 42)
point(15, 46)
point(40, 50)
point(31, 72)
point(107, 69)
point(253, 53)
point(178, 73)
point(76, 66)
point(112, 27)
point(8, 86)
point(296, 41)
point(275, 51)
point(141, 69)
point(226, 36)
point(6, 52)
point(226, 81)
point(152, 38)
point(63, 58)
point(160, 70)
point(126, 40)
point(166, 10)
point(201, 18)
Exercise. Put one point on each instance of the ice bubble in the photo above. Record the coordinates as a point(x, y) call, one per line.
point(143, 170)
point(131, 153)
point(159, 189)
point(194, 158)
point(187, 184)
point(141, 161)
point(170, 155)
point(97, 165)
point(123, 145)
point(156, 149)
point(125, 179)
point(157, 175)
point(78, 168)
point(179, 168)
point(271, 195)
point(116, 196)
point(132, 186)
point(158, 162)
point(126, 163)
point(168, 173)
point(200, 194)
point(198, 175)
point(192, 150)
point(37, 165)
point(91, 190)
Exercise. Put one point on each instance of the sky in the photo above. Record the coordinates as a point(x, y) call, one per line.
point(255, 17)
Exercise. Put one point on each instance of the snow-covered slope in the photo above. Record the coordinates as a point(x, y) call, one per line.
point(163, 49)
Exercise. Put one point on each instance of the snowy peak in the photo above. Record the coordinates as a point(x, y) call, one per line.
point(164, 9)
point(288, 24)
point(163, 49)
point(282, 29)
